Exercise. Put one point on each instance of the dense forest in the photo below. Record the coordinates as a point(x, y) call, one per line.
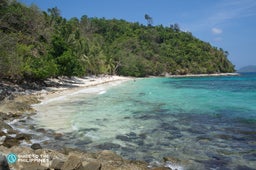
point(37, 44)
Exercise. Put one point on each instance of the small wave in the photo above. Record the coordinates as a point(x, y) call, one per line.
point(74, 126)
point(166, 164)
point(41, 140)
point(92, 136)
point(44, 102)
point(102, 92)
point(173, 166)
point(16, 120)
point(5, 130)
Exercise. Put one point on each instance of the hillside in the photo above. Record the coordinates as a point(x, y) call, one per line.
point(251, 68)
point(37, 45)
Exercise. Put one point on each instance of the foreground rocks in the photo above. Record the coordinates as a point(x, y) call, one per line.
point(69, 160)
point(37, 158)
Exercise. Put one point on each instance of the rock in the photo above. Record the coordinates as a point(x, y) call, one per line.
point(10, 141)
point(2, 139)
point(33, 167)
point(171, 160)
point(126, 149)
point(108, 146)
point(215, 164)
point(83, 142)
point(3, 116)
point(12, 131)
point(57, 164)
point(107, 155)
point(123, 138)
point(41, 130)
point(32, 127)
point(132, 135)
point(73, 163)
point(161, 168)
point(143, 136)
point(250, 157)
point(92, 166)
point(3, 163)
point(36, 146)
point(139, 142)
point(4, 125)
point(148, 158)
point(240, 167)
point(2, 133)
point(58, 135)
point(23, 136)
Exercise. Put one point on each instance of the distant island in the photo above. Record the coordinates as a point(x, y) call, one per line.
point(250, 68)
point(36, 45)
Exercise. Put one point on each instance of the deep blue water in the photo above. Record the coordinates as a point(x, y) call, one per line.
point(205, 122)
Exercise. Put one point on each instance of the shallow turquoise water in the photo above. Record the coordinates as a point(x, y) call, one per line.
point(207, 122)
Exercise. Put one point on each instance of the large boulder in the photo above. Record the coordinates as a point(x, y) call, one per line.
point(73, 163)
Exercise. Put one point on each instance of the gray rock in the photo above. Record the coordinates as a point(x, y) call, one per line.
point(73, 163)
point(161, 168)
point(2, 139)
point(36, 146)
point(10, 141)
point(58, 136)
point(92, 166)
point(107, 155)
point(3, 116)
point(33, 167)
point(57, 164)
point(23, 136)
point(171, 160)
point(3, 163)
point(108, 146)
point(123, 138)
point(4, 125)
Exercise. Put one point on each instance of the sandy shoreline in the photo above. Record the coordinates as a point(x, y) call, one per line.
point(76, 84)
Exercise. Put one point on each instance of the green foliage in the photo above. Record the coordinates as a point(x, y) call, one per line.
point(69, 65)
point(38, 45)
point(41, 68)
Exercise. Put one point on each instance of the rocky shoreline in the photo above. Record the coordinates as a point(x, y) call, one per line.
point(15, 105)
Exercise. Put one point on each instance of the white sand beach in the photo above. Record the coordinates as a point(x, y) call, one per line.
point(75, 85)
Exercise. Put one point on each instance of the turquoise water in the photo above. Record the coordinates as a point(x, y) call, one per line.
point(205, 122)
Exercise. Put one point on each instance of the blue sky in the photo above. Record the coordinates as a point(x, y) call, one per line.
point(227, 24)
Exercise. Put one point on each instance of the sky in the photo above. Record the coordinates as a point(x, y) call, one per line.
point(226, 24)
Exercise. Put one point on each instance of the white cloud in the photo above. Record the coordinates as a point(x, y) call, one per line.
point(233, 9)
point(216, 31)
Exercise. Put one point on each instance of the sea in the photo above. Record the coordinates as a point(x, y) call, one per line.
point(195, 122)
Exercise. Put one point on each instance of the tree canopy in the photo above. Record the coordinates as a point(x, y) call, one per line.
point(38, 45)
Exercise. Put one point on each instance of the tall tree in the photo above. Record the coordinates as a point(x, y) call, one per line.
point(149, 19)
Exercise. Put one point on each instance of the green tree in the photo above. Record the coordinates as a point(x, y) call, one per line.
point(149, 19)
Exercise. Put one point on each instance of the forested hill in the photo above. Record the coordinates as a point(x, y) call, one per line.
point(38, 45)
